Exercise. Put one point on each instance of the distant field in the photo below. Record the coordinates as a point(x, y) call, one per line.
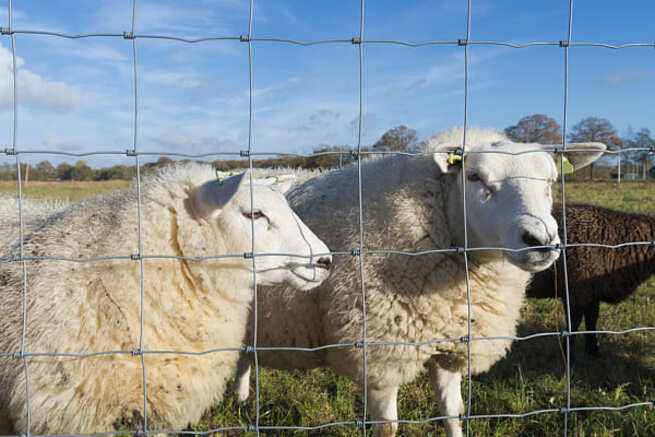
point(67, 190)
point(626, 196)
point(531, 378)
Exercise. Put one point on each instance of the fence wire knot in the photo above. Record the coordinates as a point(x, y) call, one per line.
point(248, 255)
point(15, 257)
point(464, 339)
point(5, 31)
point(244, 38)
point(559, 246)
point(353, 155)
point(463, 417)
point(249, 349)
point(565, 333)
point(17, 355)
point(244, 153)
point(355, 252)
point(135, 256)
point(460, 250)
point(137, 352)
point(356, 40)
point(563, 410)
point(10, 152)
point(652, 244)
point(251, 428)
point(462, 42)
point(359, 344)
point(128, 35)
point(140, 432)
point(564, 43)
point(130, 152)
point(359, 422)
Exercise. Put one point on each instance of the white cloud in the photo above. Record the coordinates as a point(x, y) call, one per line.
point(176, 142)
point(625, 77)
point(189, 19)
point(33, 90)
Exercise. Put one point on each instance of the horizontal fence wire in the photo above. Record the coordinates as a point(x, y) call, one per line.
point(352, 40)
point(17, 150)
point(553, 149)
point(354, 252)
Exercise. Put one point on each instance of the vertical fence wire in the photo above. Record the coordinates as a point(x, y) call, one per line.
point(21, 354)
point(362, 276)
point(141, 352)
point(252, 216)
point(139, 254)
point(564, 237)
point(469, 384)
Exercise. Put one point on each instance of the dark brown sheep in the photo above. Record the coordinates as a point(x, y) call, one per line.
point(598, 274)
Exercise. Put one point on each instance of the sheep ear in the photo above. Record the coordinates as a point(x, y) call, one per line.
point(582, 158)
point(447, 160)
point(213, 195)
point(284, 183)
point(280, 183)
point(583, 155)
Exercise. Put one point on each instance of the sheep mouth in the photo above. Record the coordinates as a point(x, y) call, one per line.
point(311, 273)
point(533, 261)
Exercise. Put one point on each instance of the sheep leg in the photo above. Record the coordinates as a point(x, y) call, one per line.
point(6, 427)
point(447, 385)
point(576, 319)
point(242, 379)
point(590, 319)
point(382, 406)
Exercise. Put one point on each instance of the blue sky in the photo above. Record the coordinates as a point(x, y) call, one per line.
point(77, 95)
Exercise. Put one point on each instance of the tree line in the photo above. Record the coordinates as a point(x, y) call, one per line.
point(537, 128)
point(540, 128)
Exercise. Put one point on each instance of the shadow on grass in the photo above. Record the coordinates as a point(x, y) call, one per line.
point(531, 377)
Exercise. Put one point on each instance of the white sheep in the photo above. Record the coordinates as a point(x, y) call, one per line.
point(411, 204)
point(192, 306)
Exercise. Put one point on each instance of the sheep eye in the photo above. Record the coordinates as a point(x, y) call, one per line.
point(254, 215)
point(474, 177)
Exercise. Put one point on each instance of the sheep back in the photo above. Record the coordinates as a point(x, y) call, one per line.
point(89, 307)
point(412, 299)
point(598, 273)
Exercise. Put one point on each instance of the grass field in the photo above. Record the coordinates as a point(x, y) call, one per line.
point(66, 190)
point(532, 377)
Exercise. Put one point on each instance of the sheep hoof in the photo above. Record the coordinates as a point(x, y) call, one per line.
point(242, 395)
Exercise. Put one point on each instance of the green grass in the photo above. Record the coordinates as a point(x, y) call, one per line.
point(626, 196)
point(532, 377)
point(65, 190)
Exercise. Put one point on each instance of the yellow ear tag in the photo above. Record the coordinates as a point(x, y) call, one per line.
point(222, 175)
point(568, 167)
point(452, 157)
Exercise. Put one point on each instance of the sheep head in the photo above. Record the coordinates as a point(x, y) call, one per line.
point(224, 210)
point(508, 197)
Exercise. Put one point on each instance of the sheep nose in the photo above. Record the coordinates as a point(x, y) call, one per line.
point(324, 262)
point(532, 240)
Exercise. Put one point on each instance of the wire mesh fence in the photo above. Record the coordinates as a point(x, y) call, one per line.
point(249, 38)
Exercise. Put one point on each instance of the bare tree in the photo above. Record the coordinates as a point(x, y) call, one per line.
point(640, 139)
point(537, 128)
point(594, 129)
point(398, 138)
